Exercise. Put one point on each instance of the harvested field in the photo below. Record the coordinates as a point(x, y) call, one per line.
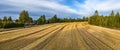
point(61, 36)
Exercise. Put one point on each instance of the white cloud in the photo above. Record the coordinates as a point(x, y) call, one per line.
point(55, 7)
point(101, 5)
point(37, 6)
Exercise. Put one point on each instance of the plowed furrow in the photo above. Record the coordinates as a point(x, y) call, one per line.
point(42, 44)
point(100, 44)
point(23, 40)
point(13, 36)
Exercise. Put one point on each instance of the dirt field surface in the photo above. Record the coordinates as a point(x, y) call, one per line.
point(61, 36)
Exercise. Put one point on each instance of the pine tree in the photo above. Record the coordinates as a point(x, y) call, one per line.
point(24, 17)
point(94, 19)
point(4, 19)
point(117, 19)
point(41, 20)
point(10, 19)
point(112, 14)
point(0, 23)
point(0, 20)
point(113, 20)
point(16, 20)
point(30, 20)
point(96, 13)
point(54, 18)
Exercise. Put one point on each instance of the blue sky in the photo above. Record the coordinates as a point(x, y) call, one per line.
point(63, 8)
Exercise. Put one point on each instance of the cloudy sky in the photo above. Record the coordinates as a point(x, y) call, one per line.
point(63, 8)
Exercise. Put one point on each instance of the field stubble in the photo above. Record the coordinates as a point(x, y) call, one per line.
point(61, 36)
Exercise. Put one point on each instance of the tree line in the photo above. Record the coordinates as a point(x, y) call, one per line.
point(9, 23)
point(25, 20)
point(112, 20)
point(42, 20)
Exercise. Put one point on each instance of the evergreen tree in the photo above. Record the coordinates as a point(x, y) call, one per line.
point(0, 20)
point(24, 17)
point(96, 13)
point(10, 19)
point(117, 20)
point(16, 20)
point(41, 20)
point(0, 23)
point(30, 20)
point(112, 14)
point(113, 20)
point(4, 19)
point(93, 19)
point(54, 19)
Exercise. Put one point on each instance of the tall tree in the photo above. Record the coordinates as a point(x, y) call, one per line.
point(10, 19)
point(0, 20)
point(30, 19)
point(117, 19)
point(113, 20)
point(24, 17)
point(54, 18)
point(16, 20)
point(41, 20)
point(0, 23)
point(93, 19)
point(96, 13)
point(4, 19)
point(112, 14)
